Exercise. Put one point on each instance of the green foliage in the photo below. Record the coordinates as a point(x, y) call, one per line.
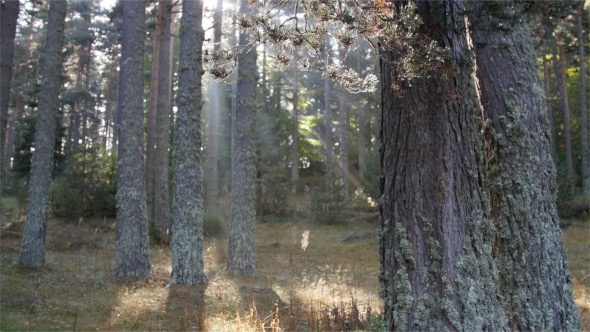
point(87, 187)
point(272, 194)
point(577, 207)
point(328, 200)
point(212, 225)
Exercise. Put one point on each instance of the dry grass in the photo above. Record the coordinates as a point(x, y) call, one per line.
point(331, 285)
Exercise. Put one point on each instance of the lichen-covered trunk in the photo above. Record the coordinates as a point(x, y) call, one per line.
point(548, 94)
point(535, 285)
point(214, 133)
point(8, 17)
point(161, 202)
point(132, 243)
point(584, 138)
point(187, 203)
point(240, 259)
point(437, 272)
point(33, 241)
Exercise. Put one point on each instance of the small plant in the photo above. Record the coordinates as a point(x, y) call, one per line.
point(212, 226)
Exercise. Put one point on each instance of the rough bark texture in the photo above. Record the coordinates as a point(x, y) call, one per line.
point(548, 94)
point(240, 259)
point(295, 124)
point(585, 139)
point(328, 155)
point(8, 17)
point(161, 202)
point(214, 133)
point(559, 66)
point(535, 285)
point(33, 241)
point(132, 244)
point(435, 237)
point(187, 205)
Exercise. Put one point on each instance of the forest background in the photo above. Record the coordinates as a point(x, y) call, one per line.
point(291, 123)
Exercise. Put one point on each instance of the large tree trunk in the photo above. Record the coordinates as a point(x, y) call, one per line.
point(534, 284)
point(240, 260)
point(132, 243)
point(559, 65)
point(295, 124)
point(8, 18)
point(585, 139)
point(187, 206)
point(548, 94)
point(161, 198)
point(435, 236)
point(214, 133)
point(33, 241)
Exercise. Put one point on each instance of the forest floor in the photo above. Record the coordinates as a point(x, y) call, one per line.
point(330, 285)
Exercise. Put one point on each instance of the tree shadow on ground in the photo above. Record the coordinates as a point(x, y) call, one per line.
point(186, 305)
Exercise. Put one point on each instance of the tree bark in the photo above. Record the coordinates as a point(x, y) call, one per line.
point(344, 114)
point(8, 18)
point(559, 65)
point(132, 243)
point(328, 154)
point(240, 260)
point(152, 116)
point(214, 133)
point(548, 94)
point(585, 139)
point(295, 124)
point(161, 199)
point(535, 285)
point(33, 241)
point(187, 206)
point(437, 271)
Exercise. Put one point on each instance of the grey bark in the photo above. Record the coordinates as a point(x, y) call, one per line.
point(240, 259)
point(548, 94)
point(132, 242)
point(8, 18)
point(585, 139)
point(187, 206)
point(328, 154)
point(559, 66)
point(161, 202)
point(437, 269)
point(344, 114)
point(535, 284)
point(295, 124)
point(33, 241)
point(212, 177)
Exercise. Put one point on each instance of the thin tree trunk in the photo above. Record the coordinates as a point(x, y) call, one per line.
point(535, 284)
point(161, 202)
point(585, 139)
point(187, 207)
point(240, 260)
point(362, 131)
point(132, 243)
point(328, 155)
point(344, 110)
point(212, 177)
point(33, 241)
point(152, 116)
point(8, 18)
point(295, 124)
point(559, 65)
point(435, 244)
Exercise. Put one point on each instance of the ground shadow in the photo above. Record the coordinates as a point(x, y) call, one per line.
point(185, 308)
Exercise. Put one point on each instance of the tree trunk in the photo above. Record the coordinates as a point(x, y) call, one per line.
point(212, 177)
point(132, 243)
point(344, 113)
point(535, 286)
point(328, 155)
point(295, 124)
point(8, 18)
point(559, 65)
point(585, 139)
point(435, 236)
point(33, 241)
point(161, 202)
point(152, 116)
point(548, 94)
point(187, 207)
point(243, 194)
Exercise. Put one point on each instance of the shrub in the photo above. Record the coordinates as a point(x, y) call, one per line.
point(212, 226)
